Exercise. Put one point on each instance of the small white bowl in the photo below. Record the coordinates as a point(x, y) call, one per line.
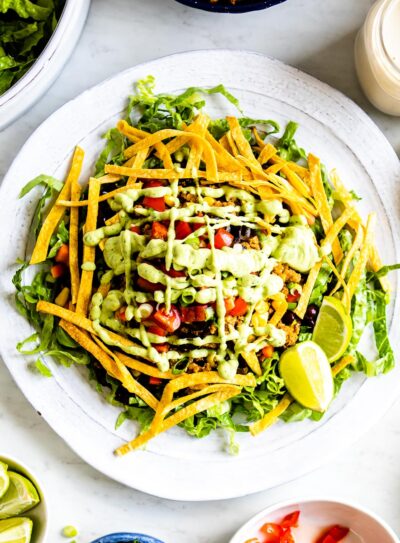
point(366, 525)
point(38, 514)
point(27, 90)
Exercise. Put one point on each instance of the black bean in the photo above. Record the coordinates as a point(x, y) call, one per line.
point(288, 318)
point(310, 318)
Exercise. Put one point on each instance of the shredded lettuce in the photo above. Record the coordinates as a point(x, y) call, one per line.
point(287, 146)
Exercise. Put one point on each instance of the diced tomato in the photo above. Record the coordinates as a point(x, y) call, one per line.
point(240, 308)
point(159, 231)
point(157, 330)
point(162, 347)
point(267, 351)
point(223, 239)
point(229, 304)
point(287, 537)
point(155, 381)
point(272, 532)
point(135, 229)
point(292, 298)
point(57, 270)
point(148, 286)
point(158, 204)
point(182, 229)
point(62, 255)
point(194, 313)
point(173, 273)
point(120, 314)
point(196, 225)
point(170, 321)
point(334, 534)
point(292, 519)
point(151, 183)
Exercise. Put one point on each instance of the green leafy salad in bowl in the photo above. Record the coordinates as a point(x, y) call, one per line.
point(211, 274)
point(25, 28)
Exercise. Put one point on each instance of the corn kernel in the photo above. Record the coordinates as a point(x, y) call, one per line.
point(169, 200)
point(262, 307)
point(209, 200)
point(62, 298)
point(259, 320)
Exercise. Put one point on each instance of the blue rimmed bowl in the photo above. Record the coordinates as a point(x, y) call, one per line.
point(225, 6)
point(125, 537)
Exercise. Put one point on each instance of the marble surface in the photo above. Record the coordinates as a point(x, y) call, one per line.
point(318, 38)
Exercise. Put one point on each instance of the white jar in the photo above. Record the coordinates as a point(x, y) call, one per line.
point(377, 56)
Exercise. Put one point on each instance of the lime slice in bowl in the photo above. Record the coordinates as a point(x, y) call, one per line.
point(4, 479)
point(333, 329)
point(15, 530)
point(307, 375)
point(21, 496)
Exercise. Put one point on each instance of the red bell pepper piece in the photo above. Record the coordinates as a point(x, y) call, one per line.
point(158, 204)
point(287, 537)
point(267, 351)
point(62, 255)
point(135, 229)
point(161, 347)
point(173, 273)
point(272, 532)
point(223, 239)
point(148, 286)
point(120, 314)
point(151, 183)
point(229, 304)
point(240, 308)
point(196, 225)
point(292, 298)
point(57, 271)
point(292, 519)
point(159, 231)
point(182, 229)
point(170, 321)
point(194, 313)
point(155, 381)
point(157, 330)
point(334, 534)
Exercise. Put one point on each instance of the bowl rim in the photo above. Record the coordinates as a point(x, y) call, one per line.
point(20, 467)
point(111, 538)
point(252, 5)
point(310, 499)
point(45, 56)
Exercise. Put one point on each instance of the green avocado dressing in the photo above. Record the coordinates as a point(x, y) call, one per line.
point(297, 247)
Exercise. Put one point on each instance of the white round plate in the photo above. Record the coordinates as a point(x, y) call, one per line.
point(175, 465)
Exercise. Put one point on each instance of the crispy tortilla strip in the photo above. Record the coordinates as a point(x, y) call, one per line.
point(300, 170)
point(112, 366)
point(102, 198)
point(144, 368)
point(241, 142)
point(137, 164)
point(56, 213)
point(296, 181)
point(252, 361)
point(375, 264)
point(266, 154)
point(361, 263)
point(74, 241)
point(196, 150)
point(225, 160)
point(181, 140)
point(170, 174)
point(307, 290)
point(260, 142)
point(350, 255)
point(224, 142)
point(271, 417)
point(324, 211)
point(150, 141)
point(280, 305)
point(197, 407)
point(89, 253)
point(336, 227)
point(104, 289)
point(342, 364)
point(341, 282)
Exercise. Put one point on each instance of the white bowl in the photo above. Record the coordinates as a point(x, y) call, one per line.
point(367, 527)
point(48, 65)
point(38, 514)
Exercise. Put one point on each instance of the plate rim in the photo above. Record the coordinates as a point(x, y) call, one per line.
point(107, 470)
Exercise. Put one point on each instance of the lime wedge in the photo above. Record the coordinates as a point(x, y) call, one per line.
point(15, 530)
point(333, 329)
point(4, 479)
point(20, 496)
point(307, 375)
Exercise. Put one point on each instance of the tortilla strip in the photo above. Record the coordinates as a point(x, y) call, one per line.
point(361, 263)
point(319, 194)
point(146, 369)
point(56, 213)
point(337, 226)
point(296, 182)
point(169, 174)
point(103, 198)
point(89, 253)
point(271, 417)
point(196, 151)
point(224, 158)
point(180, 416)
point(266, 154)
point(342, 364)
point(178, 142)
point(375, 264)
point(350, 255)
point(307, 290)
point(252, 361)
point(280, 305)
point(111, 365)
point(74, 241)
point(341, 282)
point(241, 142)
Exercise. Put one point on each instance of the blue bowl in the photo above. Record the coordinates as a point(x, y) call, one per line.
point(224, 6)
point(126, 538)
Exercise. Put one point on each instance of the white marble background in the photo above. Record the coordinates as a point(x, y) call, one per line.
point(316, 36)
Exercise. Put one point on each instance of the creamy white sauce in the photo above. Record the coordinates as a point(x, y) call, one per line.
point(391, 31)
